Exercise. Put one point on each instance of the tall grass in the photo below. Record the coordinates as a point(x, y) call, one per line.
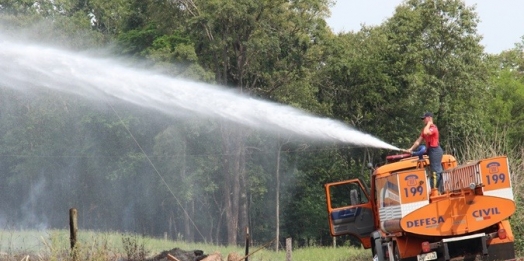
point(54, 245)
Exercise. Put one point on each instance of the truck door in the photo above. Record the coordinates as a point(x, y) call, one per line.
point(349, 210)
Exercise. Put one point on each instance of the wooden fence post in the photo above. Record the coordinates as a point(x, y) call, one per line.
point(289, 244)
point(72, 231)
point(247, 242)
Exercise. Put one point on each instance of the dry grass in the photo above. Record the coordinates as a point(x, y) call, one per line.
point(54, 245)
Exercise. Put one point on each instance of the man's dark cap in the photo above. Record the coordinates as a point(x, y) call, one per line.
point(426, 114)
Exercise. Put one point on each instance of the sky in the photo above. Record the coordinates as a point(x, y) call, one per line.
point(500, 21)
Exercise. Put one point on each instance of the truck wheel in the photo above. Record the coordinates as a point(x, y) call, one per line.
point(396, 252)
point(378, 250)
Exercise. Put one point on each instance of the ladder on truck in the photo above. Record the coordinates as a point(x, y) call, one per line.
point(491, 176)
point(462, 177)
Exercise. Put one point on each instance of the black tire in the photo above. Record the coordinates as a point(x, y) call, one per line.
point(378, 250)
point(396, 252)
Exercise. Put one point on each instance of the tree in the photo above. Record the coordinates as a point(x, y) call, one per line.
point(256, 47)
point(52, 22)
point(426, 57)
point(507, 94)
point(437, 51)
point(304, 200)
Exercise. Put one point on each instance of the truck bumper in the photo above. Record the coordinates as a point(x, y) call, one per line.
point(455, 249)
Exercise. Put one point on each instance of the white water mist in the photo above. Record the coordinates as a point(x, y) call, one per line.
point(24, 67)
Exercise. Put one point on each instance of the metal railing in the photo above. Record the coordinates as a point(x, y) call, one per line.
point(462, 177)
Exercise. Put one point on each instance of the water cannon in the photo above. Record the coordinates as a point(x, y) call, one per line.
point(397, 157)
point(420, 151)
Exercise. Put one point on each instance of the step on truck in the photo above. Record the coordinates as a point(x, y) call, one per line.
point(400, 217)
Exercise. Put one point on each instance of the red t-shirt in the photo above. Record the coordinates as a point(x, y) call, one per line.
point(432, 138)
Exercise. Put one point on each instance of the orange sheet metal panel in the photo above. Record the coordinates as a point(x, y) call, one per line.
point(413, 186)
point(495, 173)
point(456, 216)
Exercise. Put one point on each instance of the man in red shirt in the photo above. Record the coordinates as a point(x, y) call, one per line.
point(431, 136)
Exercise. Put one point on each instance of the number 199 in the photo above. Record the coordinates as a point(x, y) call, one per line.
point(496, 178)
point(414, 191)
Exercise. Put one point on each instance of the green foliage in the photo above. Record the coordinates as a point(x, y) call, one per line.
point(58, 25)
point(426, 57)
point(507, 94)
point(269, 48)
point(439, 53)
point(136, 41)
point(305, 200)
point(14, 7)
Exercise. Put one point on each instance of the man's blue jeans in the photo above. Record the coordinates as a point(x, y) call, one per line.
point(435, 162)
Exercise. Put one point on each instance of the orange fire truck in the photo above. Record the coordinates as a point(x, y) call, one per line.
point(402, 218)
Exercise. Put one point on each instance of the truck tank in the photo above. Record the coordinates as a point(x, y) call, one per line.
point(401, 217)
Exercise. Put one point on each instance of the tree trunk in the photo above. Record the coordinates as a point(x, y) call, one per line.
point(244, 204)
point(216, 234)
point(233, 161)
point(277, 200)
point(280, 145)
point(187, 204)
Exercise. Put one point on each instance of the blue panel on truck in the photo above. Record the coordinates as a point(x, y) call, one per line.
point(345, 215)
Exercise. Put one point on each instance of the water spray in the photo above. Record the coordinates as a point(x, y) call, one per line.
point(33, 66)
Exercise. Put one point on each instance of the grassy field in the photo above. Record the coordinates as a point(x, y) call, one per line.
point(55, 245)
